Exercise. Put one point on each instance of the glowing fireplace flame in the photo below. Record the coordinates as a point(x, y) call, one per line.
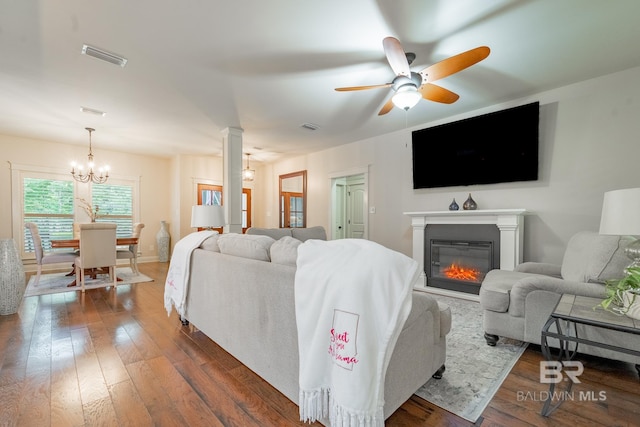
point(461, 273)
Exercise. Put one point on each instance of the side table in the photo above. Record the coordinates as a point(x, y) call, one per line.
point(570, 311)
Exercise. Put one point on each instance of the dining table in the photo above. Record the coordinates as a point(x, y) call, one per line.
point(75, 244)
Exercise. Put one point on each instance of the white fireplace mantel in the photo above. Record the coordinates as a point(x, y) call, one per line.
point(510, 222)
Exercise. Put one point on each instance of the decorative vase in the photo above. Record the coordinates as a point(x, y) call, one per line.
point(12, 277)
point(454, 206)
point(162, 239)
point(470, 204)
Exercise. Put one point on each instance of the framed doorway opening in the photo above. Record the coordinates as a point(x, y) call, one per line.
point(349, 204)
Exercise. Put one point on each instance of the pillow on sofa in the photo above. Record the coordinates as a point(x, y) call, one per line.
point(608, 265)
point(285, 251)
point(274, 233)
point(211, 243)
point(594, 257)
point(304, 234)
point(246, 245)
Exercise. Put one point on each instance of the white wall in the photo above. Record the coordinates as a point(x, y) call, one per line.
point(589, 144)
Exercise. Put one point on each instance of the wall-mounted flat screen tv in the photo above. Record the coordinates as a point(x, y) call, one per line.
point(487, 149)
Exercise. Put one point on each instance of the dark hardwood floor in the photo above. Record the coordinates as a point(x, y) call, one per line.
point(116, 358)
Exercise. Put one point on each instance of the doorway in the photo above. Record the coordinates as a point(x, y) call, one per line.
point(349, 206)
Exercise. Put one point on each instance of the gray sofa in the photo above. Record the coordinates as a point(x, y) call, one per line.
point(516, 304)
point(241, 295)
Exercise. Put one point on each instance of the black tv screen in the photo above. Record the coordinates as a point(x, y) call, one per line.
point(488, 149)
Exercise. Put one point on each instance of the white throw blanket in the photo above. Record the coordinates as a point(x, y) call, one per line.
point(175, 287)
point(352, 297)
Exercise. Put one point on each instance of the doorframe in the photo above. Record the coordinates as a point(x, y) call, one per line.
point(333, 178)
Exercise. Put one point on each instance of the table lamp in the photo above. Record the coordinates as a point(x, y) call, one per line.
point(621, 216)
point(207, 216)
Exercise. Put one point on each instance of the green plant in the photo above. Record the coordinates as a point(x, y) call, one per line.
point(616, 289)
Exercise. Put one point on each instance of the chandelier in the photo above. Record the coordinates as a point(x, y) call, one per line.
point(77, 171)
point(248, 174)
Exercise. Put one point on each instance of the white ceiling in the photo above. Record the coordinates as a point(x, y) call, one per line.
point(196, 67)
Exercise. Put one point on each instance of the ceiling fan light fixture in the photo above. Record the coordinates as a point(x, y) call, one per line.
point(406, 97)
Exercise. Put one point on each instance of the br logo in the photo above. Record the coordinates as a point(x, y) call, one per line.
point(552, 371)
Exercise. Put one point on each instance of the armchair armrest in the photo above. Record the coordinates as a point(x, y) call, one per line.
point(526, 285)
point(547, 269)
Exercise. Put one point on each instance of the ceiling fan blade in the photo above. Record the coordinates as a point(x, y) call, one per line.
point(386, 107)
point(456, 63)
point(438, 94)
point(350, 88)
point(396, 56)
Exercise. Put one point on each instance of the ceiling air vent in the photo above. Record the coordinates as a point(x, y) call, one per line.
point(93, 111)
point(309, 126)
point(104, 55)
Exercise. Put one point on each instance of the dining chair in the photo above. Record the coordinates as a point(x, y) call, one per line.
point(42, 257)
point(97, 250)
point(131, 253)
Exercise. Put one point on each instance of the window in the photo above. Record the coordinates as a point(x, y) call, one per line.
point(49, 198)
point(49, 204)
point(246, 209)
point(115, 204)
point(292, 215)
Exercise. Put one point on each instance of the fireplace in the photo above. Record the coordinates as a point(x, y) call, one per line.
point(509, 222)
point(457, 257)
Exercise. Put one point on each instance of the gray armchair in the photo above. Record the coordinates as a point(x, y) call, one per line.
point(516, 304)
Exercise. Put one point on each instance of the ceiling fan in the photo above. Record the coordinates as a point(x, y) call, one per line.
point(410, 86)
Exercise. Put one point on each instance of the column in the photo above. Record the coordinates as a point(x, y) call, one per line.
point(232, 179)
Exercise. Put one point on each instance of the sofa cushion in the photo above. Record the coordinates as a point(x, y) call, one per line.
point(304, 234)
point(274, 233)
point(285, 251)
point(246, 246)
point(211, 243)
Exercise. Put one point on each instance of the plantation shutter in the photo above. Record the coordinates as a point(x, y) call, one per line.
point(49, 204)
point(115, 204)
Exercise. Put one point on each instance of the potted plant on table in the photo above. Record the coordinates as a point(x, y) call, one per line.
point(623, 295)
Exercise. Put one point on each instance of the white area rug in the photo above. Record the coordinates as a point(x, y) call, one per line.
point(57, 282)
point(474, 370)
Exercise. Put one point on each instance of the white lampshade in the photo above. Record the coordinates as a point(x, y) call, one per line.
point(207, 216)
point(406, 97)
point(621, 212)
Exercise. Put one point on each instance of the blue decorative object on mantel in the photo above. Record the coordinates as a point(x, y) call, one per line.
point(454, 206)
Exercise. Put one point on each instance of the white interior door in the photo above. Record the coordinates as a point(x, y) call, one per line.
point(339, 218)
point(349, 205)
point(355, 210)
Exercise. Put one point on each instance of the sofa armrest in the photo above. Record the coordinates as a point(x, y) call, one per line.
point(547, 269)
point(526, 285)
